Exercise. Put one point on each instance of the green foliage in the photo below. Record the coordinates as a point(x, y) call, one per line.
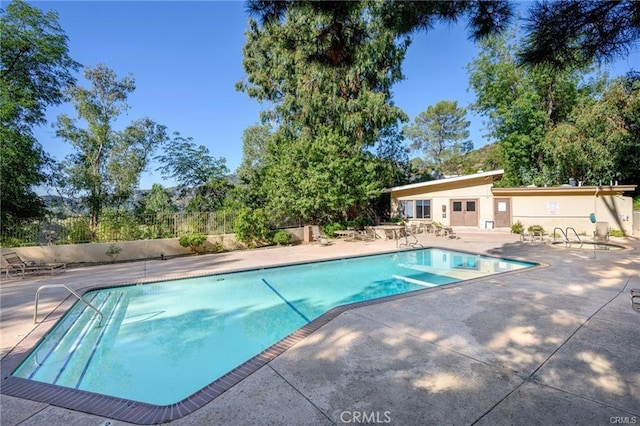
point(329, 229)
point(600, 140)
point(254, 142)
point(251, 226)
point(34, 69)
point(517, 228)
point(539, 228)
point(522, 104)
point(157, 200)
point(440, 132)
point(282, 237)
point(331, 112)
point(78, 230)
point(359, 223)
point(193, 241)
point(106, 164)
point(113, 251)
point(569, 33)
point(636, 203)
point(197, 173)
point(617, 233)
point(117, 225)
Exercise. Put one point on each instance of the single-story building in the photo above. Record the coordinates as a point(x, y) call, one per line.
point(473, 201)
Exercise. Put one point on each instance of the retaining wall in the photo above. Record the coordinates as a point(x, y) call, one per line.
point(131, 250)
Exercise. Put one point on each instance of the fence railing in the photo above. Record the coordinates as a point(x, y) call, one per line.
point(119, 227)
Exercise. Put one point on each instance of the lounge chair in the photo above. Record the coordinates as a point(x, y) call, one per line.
point(601, 232)
point(15, 263)
point(437, 229)
point(321, 239)
point(368, 234)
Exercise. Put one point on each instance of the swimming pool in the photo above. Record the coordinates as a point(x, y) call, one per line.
point(159, 343)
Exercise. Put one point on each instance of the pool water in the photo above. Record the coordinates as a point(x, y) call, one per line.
point(159, 343)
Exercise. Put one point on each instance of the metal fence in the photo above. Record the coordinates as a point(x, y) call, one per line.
point(119, 227)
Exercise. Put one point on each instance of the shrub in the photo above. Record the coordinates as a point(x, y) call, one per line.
point(330, 228)
point(616, 233)
point(360, 223)
point(193, 240)
point(282, 237)
point(517, 227)
point(251, 226)
point(113, 251)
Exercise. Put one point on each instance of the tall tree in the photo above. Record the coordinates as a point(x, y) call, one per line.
point(250, 171)
point(197, 172)
point(157, 200)
point(441, 132)
point(599, 141)
point(521, 104)
point(107, 164)
point(34, 68)
point(570, 33)
point(400, 17)
point(330, 106)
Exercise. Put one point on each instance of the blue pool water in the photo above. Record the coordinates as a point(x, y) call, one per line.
point(159, 343)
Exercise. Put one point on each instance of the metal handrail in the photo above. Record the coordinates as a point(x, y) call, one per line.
point(564, 234)
point(576, 234)
point(70, 290)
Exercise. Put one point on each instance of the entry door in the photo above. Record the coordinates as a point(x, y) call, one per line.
point(502, 212)
point(464, 212)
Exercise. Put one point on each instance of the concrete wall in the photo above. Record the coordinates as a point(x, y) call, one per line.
point(562, 211)
point(131, 250)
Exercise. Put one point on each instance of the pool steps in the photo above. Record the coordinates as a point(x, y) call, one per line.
point(75, 340)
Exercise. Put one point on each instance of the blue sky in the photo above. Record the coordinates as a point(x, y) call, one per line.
point(187, 56)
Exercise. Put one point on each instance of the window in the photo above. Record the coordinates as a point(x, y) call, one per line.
point(406, 209)
point(471, 206)
point(457, 206)
point(423, 209)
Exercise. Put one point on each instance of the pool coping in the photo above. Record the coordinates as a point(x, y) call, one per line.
point(145, 413)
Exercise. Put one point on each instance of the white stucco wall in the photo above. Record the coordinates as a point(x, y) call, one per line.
point(562, 211)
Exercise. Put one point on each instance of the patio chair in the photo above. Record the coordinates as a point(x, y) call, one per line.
point(321, 240)
point(368, 234)
point(448, 232)
point(438, 230)
point(601, 232)
point(15, 263)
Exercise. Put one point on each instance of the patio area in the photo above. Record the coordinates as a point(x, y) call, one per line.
point(555, 344)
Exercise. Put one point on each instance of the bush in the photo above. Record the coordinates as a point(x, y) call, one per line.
point(616, 233)
point(360, 223)
point(330, 228)
point(282, 237)
point(192, 240)
point(517, 227)
point(113, 251)
point(537, 227)
point(251, 226)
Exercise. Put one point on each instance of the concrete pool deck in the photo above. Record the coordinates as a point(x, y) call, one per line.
point(557, 344)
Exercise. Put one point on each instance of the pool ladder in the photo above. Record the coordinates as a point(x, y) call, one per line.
point(70, 290)
point(565, 234)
